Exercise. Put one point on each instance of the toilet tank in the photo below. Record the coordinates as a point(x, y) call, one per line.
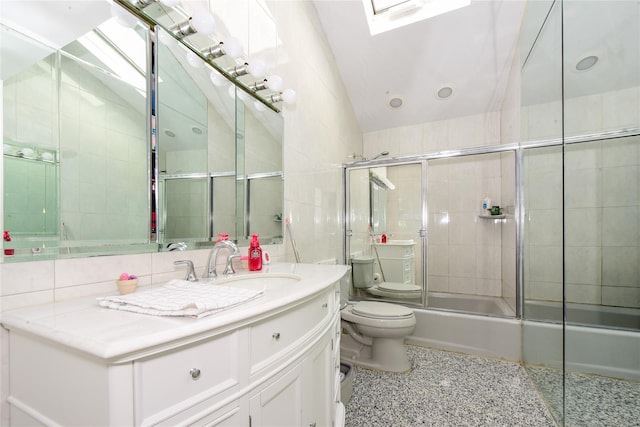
point(362, 269)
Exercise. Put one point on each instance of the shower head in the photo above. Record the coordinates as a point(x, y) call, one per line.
point(384, 153)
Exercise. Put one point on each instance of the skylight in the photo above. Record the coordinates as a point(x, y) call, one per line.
point(385, 15)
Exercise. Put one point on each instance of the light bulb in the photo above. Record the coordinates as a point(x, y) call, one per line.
point(203, 23)
point(232, 47)
point(289, 96)
point(194, 60)
point(216, 78)
point(257, 68)
point(274, 82)
point(170, 3)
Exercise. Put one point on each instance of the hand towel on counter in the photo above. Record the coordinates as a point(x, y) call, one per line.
point(182, 298)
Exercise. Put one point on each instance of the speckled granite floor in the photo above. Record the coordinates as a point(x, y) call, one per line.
point(446, 389)
point(591, 400)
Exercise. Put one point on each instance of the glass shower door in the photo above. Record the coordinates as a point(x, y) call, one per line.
point(385, 222)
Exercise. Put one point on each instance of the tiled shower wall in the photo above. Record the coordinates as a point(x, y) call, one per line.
point(602, 234)
point(465, 247)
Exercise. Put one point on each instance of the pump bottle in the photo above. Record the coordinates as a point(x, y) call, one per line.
point(255, 254)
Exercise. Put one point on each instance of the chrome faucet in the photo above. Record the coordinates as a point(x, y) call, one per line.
point(191, 272)
point(210, 270)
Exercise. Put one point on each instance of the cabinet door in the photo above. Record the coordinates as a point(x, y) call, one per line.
point(317, 385)
point(279, 404)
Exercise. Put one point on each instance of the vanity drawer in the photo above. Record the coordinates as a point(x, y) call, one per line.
point(186, 379)
point(271, 336)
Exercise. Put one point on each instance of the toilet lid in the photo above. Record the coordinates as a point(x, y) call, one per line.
point(381, 310)
point(399, 287)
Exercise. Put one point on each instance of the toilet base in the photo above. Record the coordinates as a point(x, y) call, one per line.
point(386, 354)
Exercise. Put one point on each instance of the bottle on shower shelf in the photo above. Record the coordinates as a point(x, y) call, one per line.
point(486, 205)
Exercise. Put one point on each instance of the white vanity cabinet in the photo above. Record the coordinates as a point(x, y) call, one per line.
point(304, 394)
point(278, 368)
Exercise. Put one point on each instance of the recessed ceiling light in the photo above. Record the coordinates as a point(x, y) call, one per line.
point(395, 102)
point(445, 92)
point(196, 130)
point(170, 133)
point(586, 63)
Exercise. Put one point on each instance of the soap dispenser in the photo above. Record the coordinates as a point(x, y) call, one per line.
point(255, 254)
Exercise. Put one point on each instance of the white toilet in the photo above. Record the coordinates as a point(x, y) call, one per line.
point(375, 331)
point(365, 280)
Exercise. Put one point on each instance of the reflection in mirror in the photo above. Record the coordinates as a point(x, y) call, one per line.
point(379, 185)
point(196, 147)
point(77, 119)
point(260, 172)
point(79, 103)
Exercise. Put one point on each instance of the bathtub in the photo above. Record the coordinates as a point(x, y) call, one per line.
point(608, 352)
point(469, 303)
point(495, 335)
point(584, 314)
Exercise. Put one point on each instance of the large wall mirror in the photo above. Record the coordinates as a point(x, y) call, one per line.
point(85, 174)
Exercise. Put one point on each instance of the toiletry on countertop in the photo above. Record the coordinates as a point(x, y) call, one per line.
point(255, 254)
point(384, 238)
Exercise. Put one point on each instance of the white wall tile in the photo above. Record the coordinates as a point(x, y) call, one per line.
point(25, 277)
point(621, 296)
point(583, 294)
point(583, 265)
point(621, 266)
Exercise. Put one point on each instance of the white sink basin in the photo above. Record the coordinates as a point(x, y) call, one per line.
point(264, 281)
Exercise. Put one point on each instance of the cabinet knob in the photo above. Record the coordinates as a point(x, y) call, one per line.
point(313, 424)
point(325, 305)
point(195, 373)
point(276, 335)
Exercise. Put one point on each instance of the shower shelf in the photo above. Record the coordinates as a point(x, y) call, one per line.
point(501, 216)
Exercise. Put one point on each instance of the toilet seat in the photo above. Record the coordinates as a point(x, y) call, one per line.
point(381, 310)
point(398, 287)
point(396, 290)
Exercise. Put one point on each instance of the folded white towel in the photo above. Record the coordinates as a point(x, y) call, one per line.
point(182, 298)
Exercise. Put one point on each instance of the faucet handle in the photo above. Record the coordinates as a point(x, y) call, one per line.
point(191, 272)
point(229, 268)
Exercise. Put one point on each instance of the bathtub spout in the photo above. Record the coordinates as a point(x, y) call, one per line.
point(360, 339)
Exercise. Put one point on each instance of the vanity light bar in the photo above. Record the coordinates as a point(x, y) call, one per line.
point(204, 24)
